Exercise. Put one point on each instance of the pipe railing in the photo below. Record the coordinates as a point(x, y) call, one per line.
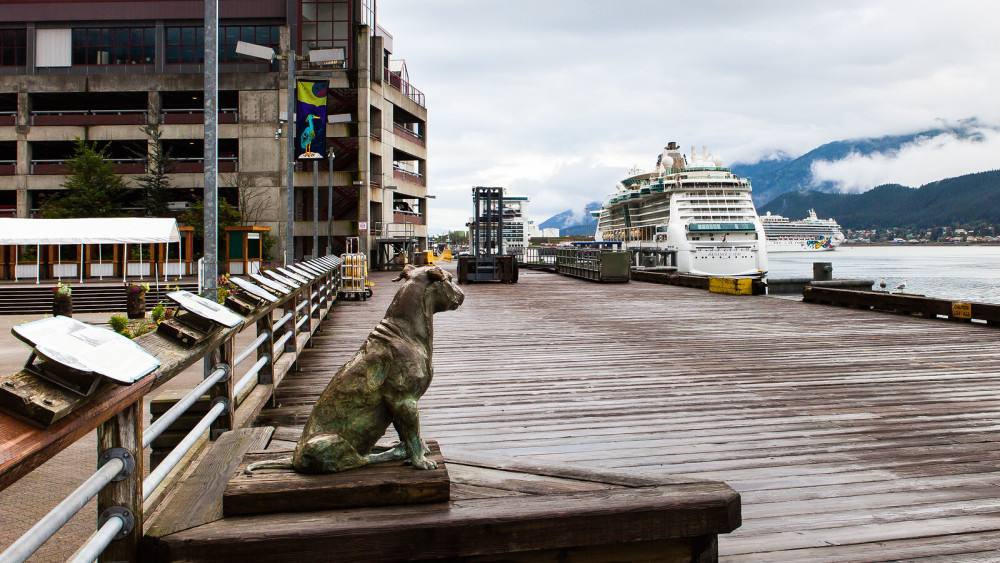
point(120, 526)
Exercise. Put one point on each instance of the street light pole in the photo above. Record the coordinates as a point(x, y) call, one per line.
point(316, 56)
point(316, 208)
point(290, 164)
point(329, 208)
point(211, 155)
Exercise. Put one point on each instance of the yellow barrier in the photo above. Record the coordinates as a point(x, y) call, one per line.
point(731, 286)
point(446, 255)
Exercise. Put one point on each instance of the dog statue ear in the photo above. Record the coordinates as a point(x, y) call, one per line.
point(436, 274)
point(405, 274)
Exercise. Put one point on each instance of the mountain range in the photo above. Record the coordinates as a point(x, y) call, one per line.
point(774, 177)
point(786, 185)
point(965, 200)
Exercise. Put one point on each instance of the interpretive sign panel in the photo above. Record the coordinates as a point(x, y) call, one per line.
point(291, 274)
point(297, 269)
point(252, 289)
point(87, 348)
point(271, 284)
point(205, 308)
point(285, 280)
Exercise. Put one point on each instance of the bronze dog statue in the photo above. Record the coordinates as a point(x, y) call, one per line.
point(379, 385)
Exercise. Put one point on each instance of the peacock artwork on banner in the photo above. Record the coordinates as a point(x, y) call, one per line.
point(310, 119)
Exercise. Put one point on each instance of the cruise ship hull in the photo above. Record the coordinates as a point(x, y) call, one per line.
point(696, 210)
point(815, 244)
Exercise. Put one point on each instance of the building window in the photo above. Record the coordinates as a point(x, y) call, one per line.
point(325, 24)
point(187, 44)
point(13, 47)
point(113, 45)
point(266, 35)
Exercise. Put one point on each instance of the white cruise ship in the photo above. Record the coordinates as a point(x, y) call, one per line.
point(696, 208)
point(808, 235)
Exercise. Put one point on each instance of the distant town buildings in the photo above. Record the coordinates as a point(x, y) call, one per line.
point(102, 70)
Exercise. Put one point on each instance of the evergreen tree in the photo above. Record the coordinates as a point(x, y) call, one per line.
point(228, 216)
point(155, 183)
point(93, 189)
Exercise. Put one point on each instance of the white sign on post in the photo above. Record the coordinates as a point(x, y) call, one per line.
point(362, 226)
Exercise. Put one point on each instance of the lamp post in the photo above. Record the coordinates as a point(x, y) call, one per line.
point(329, 207)
point(211, 148)
point(315, 56)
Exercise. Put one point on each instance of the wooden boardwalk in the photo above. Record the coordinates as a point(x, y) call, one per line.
point(851, 435)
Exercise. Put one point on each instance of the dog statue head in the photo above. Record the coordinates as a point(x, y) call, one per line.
point(440, 292)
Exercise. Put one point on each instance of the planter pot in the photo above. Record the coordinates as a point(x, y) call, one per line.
point(136, 305)
point(62, 305)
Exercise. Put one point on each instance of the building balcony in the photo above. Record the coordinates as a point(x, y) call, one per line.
point(59, 166)
point(408, 217)
point(8, 168)
point(8, 118)
point(89, 117)
point(407, 176)
point(196, 115)
point(194, 165)
point(408, 134)
point(397, 82)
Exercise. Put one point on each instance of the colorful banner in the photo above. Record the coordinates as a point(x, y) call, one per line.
point(310, 119)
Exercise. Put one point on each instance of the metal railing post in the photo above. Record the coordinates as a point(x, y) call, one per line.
point(121, 436)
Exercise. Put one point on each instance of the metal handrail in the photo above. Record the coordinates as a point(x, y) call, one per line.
point(280, 344)
point(282, 321)
point(157, 475)
point(114, 525)
point(163, 422)
point(250, 375)
point(47, 527)
point(99, 541)
point(251, 348)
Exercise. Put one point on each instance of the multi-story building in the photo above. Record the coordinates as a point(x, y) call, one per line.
point(102, 70)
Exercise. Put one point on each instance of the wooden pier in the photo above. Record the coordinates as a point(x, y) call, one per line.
point(850, 435)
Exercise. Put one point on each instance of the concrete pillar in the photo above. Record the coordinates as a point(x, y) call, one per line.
point(23, 165)
point(363, 51)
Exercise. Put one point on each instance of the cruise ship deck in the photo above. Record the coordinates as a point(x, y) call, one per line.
point(850, 435)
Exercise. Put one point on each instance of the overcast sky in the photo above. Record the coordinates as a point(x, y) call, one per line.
point(557, 99)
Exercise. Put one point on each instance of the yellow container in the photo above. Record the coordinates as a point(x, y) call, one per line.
point(731, 286)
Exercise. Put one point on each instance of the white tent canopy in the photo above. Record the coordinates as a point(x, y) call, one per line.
point(116, 230)
point(129, 230)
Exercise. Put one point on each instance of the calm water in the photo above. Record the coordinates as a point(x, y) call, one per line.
point(965, 273)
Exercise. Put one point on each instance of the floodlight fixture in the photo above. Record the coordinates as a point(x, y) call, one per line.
point(254, 50)
point(325, 56)
point(431, 196)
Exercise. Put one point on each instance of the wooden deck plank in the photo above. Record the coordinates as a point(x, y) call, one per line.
point(885, 422)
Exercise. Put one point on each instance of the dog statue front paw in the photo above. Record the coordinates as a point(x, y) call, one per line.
point(424, 463)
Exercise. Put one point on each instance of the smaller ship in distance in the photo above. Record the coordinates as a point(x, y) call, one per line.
point(806, 235)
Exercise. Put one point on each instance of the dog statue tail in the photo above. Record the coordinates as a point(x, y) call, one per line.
point(280, 463)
